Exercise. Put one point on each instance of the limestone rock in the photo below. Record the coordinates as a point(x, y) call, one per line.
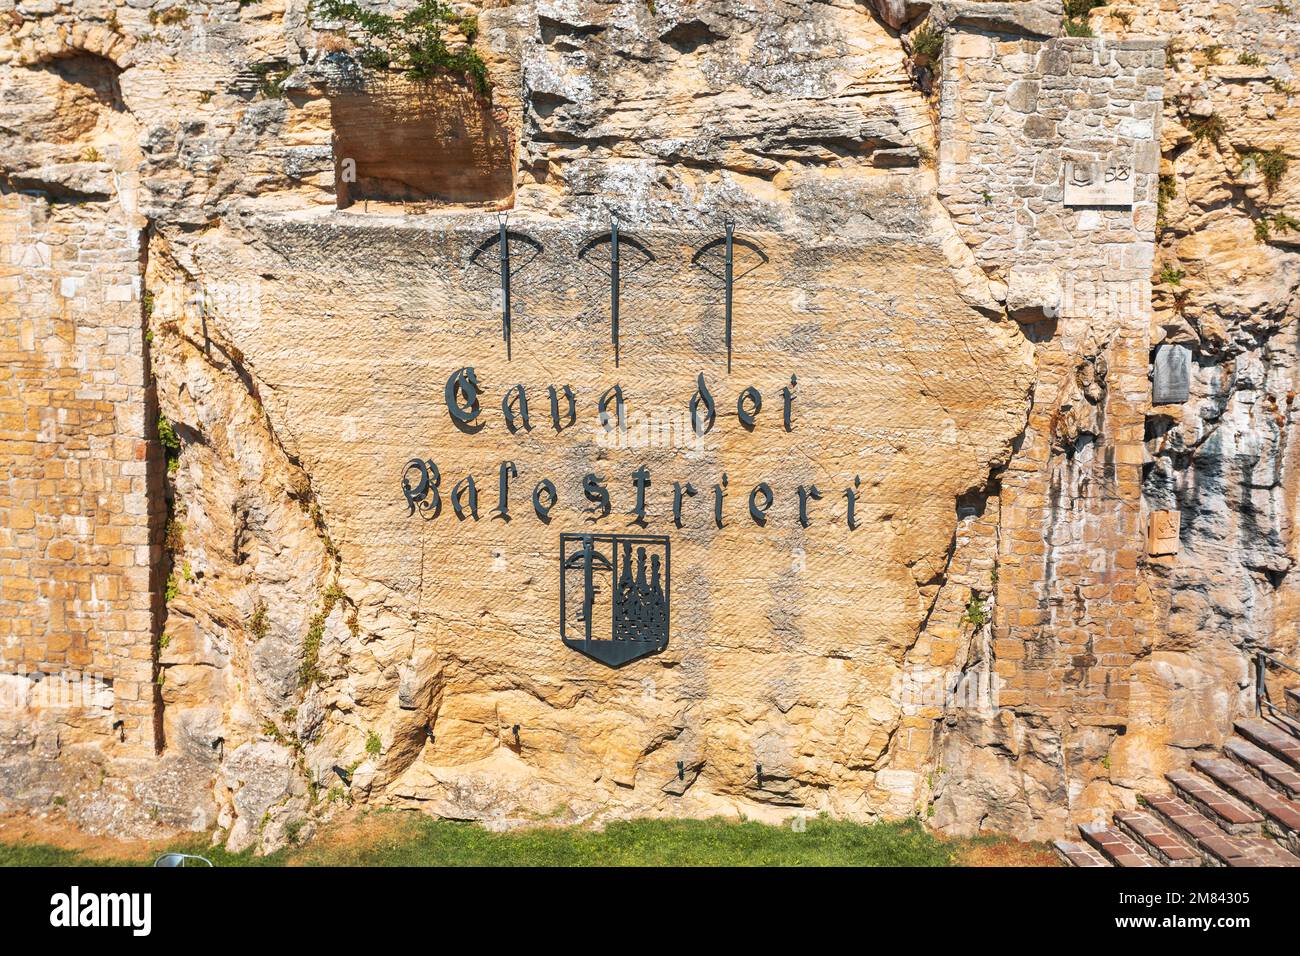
point(227, 224)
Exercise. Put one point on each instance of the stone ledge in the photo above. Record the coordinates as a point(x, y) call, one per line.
point(1040, 20)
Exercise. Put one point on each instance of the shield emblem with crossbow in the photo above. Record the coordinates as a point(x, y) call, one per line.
point(614, 595)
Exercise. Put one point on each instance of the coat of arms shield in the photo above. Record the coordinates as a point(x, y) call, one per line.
point(614, 595)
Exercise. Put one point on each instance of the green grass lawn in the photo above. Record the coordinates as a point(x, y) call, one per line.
point(409, 839)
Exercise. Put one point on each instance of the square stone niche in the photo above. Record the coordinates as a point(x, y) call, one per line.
point(403, 141)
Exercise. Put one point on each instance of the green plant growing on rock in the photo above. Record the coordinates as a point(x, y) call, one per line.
point(927, 42)
point(1171, 276)
point(170, 16)
point(977, 612)
point(309, 673)
point(374, 746)
point(270, 79)
point(257, 624)
point(1078, 9)
point(1206, 128)
point(1264, 227)
point(170, 442)
point(1076, 17)
point(1248, 58)
point(415, 43)
point(1272, 165)
point(1165, 191)
point(1284, 223)
point(170, 589)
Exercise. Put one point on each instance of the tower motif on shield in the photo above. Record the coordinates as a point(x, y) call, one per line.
point(614, 595)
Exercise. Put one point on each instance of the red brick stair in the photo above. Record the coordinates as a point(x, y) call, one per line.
point(1278, 775)
point(1115, 846)
point(1078, 854)
point(1216, 847)
point(1232, 816)
point(1238, 809)
point(1271, 736)
point(1156, 839)
point(1282, 816)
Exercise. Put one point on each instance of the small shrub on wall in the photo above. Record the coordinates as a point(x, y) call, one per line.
point(415, 43)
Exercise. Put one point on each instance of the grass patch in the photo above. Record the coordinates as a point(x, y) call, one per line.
point(395, 838)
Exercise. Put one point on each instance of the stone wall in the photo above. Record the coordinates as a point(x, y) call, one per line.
point(80, 543)
point(1072, 612)
point(993, 646)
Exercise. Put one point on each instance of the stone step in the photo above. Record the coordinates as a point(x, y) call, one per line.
point(1271, 736)
point(1292, 696)
point(1231, 815)
point(1154, 837)
point(1215, 846)
point(1115, 846)
point(1278, 775)
point(1078, 854)
point(1282, 815)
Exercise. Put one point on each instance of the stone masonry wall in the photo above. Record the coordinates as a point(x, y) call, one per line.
point(1071, 611)
point(78, 545)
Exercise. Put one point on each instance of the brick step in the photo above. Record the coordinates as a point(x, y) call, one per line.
point(1154, 837)
point(1278, 775)
point(1215, 846)
point(1271, 736)
point(1230, 814)
point(1282, 816)
point(1292, 697)
point(1078, 854)
point(1115, 846)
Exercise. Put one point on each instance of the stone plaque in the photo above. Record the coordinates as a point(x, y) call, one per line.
point(1162, 533)
point(1102, 183)
point(1172, 375)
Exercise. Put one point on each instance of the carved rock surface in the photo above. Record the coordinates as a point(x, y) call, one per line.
point(239, 269)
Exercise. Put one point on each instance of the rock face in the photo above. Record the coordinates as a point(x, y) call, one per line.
point(284, 476)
